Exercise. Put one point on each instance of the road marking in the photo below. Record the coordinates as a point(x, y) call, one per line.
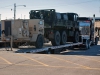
point(5, 60)
point(47, 66)
point(86, 67)
point(28, 65)
point(88, 58)
point(54, 66)
point(34, 60)
point(63, 67)
point(94, 69)
point(75, 67)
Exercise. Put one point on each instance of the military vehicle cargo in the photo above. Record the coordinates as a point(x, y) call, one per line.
point(23, 31)
point(59, 28)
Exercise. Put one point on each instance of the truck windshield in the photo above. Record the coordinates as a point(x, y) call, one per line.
point(37, 14)
point(83, 18)
point(51, 17)
point(47, 15)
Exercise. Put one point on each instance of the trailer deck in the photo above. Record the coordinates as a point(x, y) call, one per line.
point(48, 47)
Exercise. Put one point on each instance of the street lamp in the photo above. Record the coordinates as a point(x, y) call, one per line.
point(15, 9)
point(99, 9)
point(0, 17)
point(14, 21)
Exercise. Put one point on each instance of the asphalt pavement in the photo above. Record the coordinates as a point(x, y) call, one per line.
point(69, 62)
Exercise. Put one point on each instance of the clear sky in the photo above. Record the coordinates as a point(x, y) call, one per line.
point(82, 7)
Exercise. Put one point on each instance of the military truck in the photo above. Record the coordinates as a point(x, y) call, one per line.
point(22, 31)
point(59, 28)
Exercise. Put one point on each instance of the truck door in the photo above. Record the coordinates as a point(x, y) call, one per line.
point(75, 21)
point(7, 28)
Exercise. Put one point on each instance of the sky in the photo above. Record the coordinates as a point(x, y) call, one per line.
point(85, 8)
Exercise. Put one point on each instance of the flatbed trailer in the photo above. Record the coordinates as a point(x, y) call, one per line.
point(85, 43)
point(55, 49)
point(49, 49)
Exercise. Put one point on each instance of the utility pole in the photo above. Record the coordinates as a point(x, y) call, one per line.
point(99, 9)
point(11, 42)
point(94, 28)
point(24, 16)
point(0, 17)
point(14, 11)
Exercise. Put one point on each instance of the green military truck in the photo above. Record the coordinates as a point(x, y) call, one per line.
point(59, 28)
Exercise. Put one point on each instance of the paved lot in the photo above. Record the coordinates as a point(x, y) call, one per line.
point(72, 62)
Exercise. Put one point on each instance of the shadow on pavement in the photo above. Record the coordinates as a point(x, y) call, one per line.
point(93, 51)
point(23, 50)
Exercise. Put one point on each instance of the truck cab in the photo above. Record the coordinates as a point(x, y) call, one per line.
point(84, 26)
point(88, 29)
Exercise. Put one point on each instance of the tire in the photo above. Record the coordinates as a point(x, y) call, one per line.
point(99, 32)
point(63, 38)
point(86, 44)
point(57, 38)
point(39, 42)
point(76, 37)
point(15, 45)
point(1, 45)
point(89, 44)
point(96, 40)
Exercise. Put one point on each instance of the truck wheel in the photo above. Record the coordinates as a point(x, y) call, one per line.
point(76, 37)
point(89, 44)
point(15, 45)
point(99, 32)
point(96, 40)
point(39, 42)
point(63, 38)
point(86, 44)
point(56, 40)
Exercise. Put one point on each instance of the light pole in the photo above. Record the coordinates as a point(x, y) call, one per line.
point(14, 21)
point(0, 17)
point(15, 9)
point(99, 9)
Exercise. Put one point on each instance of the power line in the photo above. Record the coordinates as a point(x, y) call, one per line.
point(86, 1)
point(6, 6)
point(66, 4)
point(59, 5)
